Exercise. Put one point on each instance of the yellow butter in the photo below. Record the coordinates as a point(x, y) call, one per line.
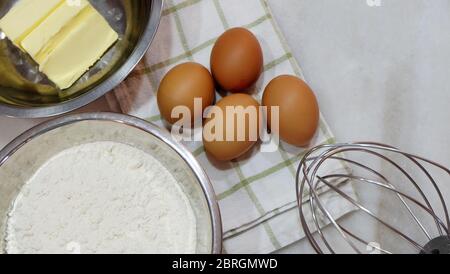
point(25, 16)
point(53, 24)
point(78, 46)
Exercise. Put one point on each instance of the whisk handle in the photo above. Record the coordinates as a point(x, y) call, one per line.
point(440, 245)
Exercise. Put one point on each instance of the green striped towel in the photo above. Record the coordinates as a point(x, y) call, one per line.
point(256, 193)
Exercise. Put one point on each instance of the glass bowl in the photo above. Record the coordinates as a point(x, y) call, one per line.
point(22, 157)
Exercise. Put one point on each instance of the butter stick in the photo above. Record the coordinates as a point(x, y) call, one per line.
point(78, 46)
point(52, 25)
point(24, 16)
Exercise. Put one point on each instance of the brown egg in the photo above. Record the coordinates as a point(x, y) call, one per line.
point(299, 110)
point(238, 130)
point(181, 86)
point(236, 60)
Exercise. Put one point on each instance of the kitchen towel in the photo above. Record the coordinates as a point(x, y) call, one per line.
point(256, 193)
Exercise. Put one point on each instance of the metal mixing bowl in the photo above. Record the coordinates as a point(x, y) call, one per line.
point(22, 157)
point(135, 21)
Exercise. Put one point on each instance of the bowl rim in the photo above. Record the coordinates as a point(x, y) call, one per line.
point(145, 126)
point(104, 87)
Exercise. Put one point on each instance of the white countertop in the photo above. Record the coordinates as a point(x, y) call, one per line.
point(381, 73)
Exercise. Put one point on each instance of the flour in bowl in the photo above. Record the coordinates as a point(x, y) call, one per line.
point(102, 197)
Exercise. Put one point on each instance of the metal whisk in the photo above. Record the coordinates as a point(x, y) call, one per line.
point(411, 184)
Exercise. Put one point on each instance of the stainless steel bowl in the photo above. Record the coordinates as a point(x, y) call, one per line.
point(22, 157)
point(135, 21)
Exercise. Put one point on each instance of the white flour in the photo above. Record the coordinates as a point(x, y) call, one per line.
point(102, 198)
